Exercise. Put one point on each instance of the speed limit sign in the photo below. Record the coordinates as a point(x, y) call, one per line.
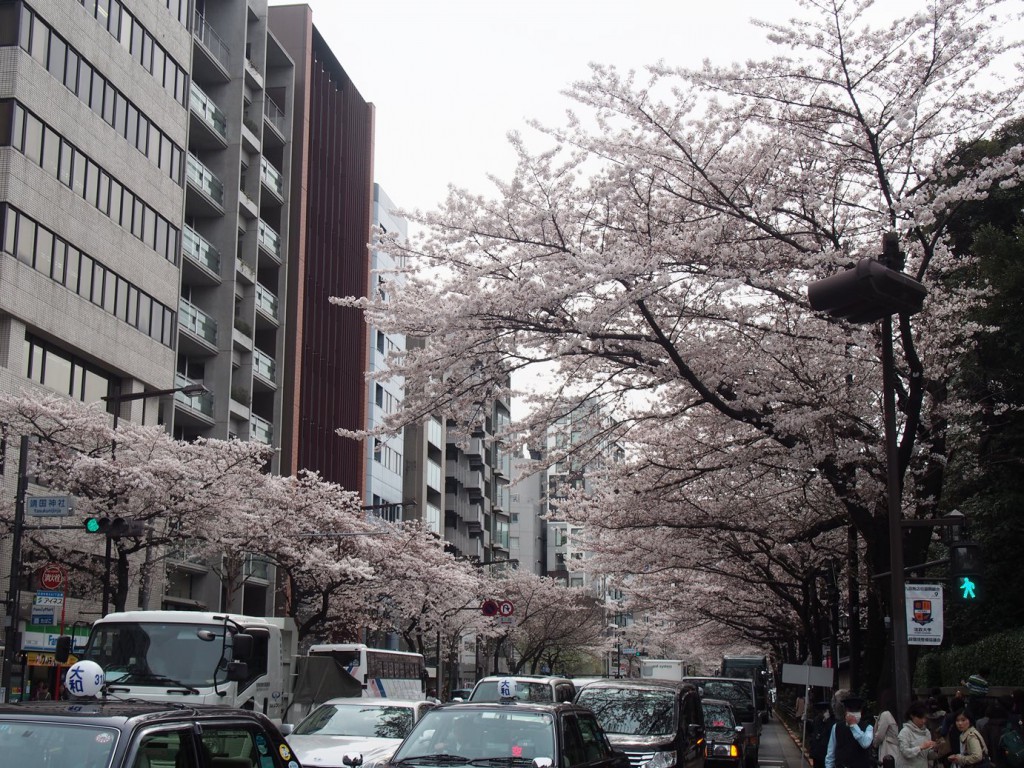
point(505, 608)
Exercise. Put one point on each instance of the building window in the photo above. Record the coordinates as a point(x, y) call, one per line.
point(62, 372)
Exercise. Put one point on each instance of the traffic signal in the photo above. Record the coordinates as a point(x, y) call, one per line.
point(965, 566)
point(115, 527)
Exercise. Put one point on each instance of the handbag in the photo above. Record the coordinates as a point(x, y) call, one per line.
point(942, 747)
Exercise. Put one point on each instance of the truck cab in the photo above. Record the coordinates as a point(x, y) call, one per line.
point(196, 658)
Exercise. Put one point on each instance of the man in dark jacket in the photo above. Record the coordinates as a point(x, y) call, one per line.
point(819, 733)
point(850, 743)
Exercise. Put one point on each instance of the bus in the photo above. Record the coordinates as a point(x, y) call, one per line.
point(753, 668)
point(375, 672)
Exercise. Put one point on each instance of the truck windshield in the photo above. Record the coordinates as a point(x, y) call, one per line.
point(630, 711)
point(55, 745)
point(162, 654)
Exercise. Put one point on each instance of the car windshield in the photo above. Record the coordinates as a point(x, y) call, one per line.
point(632, 711)
point(718, 715)
point(740, 695)
point(460, 736)
point(487, 690)
point(56, 745)
point(154, 653)
point(368, 720)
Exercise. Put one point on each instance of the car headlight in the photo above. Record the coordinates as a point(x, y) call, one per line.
point(665, 759)
point(722, 750)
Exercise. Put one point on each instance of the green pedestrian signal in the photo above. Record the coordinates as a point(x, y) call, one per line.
point(92, 524)
point(967, 587)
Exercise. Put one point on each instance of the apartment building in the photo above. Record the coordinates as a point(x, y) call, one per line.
point(144, 185)
point(331, 214)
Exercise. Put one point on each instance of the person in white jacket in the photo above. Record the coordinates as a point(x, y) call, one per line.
point(885, 737)
point(915, 740)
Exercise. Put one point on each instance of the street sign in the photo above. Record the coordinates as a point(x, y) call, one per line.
point(489, 608)
point(506, 608)
point(50, 506)
point(52, 577)
point(49, 598)
point(924, 614)
point(805, 674)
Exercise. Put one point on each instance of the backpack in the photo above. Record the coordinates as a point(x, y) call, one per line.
point(1013, 745)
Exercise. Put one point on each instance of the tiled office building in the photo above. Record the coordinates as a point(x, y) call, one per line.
point(144, 177)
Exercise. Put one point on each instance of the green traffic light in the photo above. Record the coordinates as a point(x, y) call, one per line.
point(92, 525)
point(968, 589)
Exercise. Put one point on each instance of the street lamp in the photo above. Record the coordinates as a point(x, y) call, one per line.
point(116, 400)
point(876, 290)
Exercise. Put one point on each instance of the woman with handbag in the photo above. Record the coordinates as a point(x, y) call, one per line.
point(916, 746)
point(973, 750)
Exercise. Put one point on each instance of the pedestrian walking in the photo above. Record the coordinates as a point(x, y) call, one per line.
point(850, 743)
point(886, 729)
point(973, 750)
point(916, 745)
point(819, 732)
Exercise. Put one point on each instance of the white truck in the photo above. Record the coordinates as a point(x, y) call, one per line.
point(231, 660)
point(663, 669)
point(197, 658)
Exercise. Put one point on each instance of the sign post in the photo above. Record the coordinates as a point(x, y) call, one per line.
point(806, 675)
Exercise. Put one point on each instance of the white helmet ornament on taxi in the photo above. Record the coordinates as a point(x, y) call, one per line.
point(84, 679)
point(507, 689)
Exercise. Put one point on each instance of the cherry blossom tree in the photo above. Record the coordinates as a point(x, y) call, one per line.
point(656, 259)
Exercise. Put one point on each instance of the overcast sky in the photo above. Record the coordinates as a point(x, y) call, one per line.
point(450, 78)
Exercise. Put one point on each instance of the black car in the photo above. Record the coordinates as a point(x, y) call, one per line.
point(135, 734)
point(508, 734)
point(657, 723)
point(725, 744)
point(739, 692)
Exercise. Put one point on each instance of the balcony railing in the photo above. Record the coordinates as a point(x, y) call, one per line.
point(205, 179)
point(208, 110)
point(211, 40)
point(197, 321)
point(264, 365)
point(266, 300)
point(274, 114)
point(267, 237)
point(272, 177)
point(199, 249)
point(202, 402)
point(260, 429)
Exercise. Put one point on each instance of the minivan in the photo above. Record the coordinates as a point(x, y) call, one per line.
point(657, 723)
point(739, 692)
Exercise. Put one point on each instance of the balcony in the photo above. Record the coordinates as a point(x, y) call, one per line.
point(199, 326)
point(209, 126)
point(212, 57)
point(253, 76)
point(260, 430)
point(272, 179)
point(245, 272)
point(199, 407)
point(264, 367)
point(269, 241)
point(273, 116)
point(267, 304)
point(250, 132)
point(205, 194)
point(201, 255)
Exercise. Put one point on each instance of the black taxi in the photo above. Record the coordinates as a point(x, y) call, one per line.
point(136, 734)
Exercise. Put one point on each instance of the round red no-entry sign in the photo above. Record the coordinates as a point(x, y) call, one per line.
point(52, 577)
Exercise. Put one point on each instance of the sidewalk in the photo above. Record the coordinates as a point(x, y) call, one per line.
point(779, 747)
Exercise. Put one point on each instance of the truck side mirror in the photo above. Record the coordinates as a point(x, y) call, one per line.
point(237, 671)
point(242, 646)
point(63, 650)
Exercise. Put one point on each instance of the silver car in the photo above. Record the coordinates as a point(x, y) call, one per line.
point(372, 728)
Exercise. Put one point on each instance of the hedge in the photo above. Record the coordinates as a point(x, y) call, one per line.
point(1002, 655)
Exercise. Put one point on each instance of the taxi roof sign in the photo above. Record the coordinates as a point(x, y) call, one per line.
point(507, 688)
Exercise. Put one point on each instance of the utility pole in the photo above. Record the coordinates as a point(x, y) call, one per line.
point(14, 586)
